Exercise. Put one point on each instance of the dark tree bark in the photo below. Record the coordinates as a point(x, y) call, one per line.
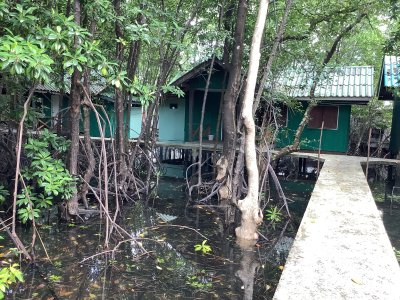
point(227, 22)
point(89, 172)
point(133, 60)
point(119, 97)
point(75, 114)
point(225, 163)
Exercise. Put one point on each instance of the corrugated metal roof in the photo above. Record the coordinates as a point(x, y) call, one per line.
point(52, 87)
point(339, 83)
point(391, 68)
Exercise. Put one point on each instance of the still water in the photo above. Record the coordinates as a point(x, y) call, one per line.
point(384, 182)
point(172, 269)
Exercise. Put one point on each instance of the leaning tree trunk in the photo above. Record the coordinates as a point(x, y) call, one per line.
point(250, 206)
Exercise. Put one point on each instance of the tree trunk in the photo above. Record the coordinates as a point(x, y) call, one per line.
point(250, 206)
point(90, 156)
point(227, 23)
point(75, 114)
point(119, 98)
point(133, 61)
point(225, 163)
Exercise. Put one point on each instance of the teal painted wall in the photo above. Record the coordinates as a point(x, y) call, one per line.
point(332, 140)
point(171, 122)
point(135, 122)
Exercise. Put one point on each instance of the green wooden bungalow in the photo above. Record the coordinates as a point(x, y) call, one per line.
point(389, 83)
point(179, 118)
point(54, 106)
point(338, 89)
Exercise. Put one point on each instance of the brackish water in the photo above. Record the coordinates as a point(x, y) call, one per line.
point(381, 180)
point(172, 269)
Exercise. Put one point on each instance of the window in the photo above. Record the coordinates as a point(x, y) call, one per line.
point(326, 114)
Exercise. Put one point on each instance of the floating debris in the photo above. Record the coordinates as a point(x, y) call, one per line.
point(166, 218)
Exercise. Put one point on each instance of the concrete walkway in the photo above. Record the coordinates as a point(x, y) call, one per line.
point(341, 250)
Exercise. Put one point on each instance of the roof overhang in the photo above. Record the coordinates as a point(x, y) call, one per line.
point(198, 70)
point(338, 100)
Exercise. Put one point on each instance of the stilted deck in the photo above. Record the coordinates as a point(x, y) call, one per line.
point(341, 250)
point(206, 145)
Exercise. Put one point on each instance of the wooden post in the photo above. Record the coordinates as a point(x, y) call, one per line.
point(369, 149)
point(191, 98)
point(319, 147)
point(394, 146)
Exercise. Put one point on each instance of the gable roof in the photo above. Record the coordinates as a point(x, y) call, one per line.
point(196, 71)
point(353, 84)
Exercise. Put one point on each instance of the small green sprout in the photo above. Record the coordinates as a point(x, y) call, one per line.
point(203, 247)
point(274, 215)
point(55, 278)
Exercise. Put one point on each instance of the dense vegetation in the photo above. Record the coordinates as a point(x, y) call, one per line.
point(137, 48)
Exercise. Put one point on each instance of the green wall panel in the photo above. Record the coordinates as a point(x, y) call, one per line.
point(332, 140)
point(94, 128)
point(216, 81)
point(210, 116)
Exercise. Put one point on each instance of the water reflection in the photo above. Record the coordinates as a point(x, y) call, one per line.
point(248, 265)
point(172, 270)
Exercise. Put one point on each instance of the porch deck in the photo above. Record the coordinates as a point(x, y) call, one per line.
point(207, 145)
point(341, 250)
